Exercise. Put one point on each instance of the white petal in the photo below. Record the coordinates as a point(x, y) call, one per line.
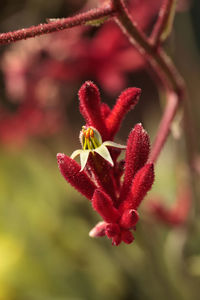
point(76, 153)
point(103, 151)
point(113, 144)
point(84, 157)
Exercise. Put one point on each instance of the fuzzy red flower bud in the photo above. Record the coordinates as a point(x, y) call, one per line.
point(116, 240)
point(127, 236)
point(70, 170)
point(103, 204)
point(142, 183)
point(90, 107)
point(102, 174)
point(137, 152)
point(105, 110)
point(98, 230)
point(129, 218)
point(177, 214)
point(126, 101)
point(112, 230)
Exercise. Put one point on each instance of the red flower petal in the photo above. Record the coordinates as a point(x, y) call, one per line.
point(137, 152)
point(116, 240)
point(127, 237)
point(103, 174)
point(112, 230)
point(98, 230)
point(177, 214)
point(90, 107)
point(105, 110)
point(103, 204)
point(70, 170)
point(129, 218)
point(126, 101)
point(142, 183)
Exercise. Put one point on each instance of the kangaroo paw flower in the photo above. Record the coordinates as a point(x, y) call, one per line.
point(115, 188)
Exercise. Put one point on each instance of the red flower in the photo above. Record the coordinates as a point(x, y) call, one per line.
point(100, 181)
point(177, 214)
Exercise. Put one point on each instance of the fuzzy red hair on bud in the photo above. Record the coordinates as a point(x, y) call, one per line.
point(112, 230)
point(98, 230)
point(129, 218)
point(105, 110)
point(142, 183)
point(127, 236)
point(90, 107)
point(103, 204)
point(126, 101)
point(137, 152)
point(70, 170)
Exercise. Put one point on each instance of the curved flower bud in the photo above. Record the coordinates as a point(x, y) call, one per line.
point(98, 230)
point(142, 183)
point(90, 107)
point(71, 172)
point(127, 100)
point(103, 204)
point(129, 218)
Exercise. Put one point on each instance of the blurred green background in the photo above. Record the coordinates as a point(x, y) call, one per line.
point(45, 250)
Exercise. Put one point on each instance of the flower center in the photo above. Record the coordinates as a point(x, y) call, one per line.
point(90, 138)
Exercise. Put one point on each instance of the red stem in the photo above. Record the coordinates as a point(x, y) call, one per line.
point(165, 124)
point(163, 67)
point(57, 25)
point(157, 58)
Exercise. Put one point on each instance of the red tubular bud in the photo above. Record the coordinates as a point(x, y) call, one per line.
point(127, 237)
point(116, 240)
point(98, 230)
point(90, 107)
point(126, 101)
point(103, 204)
point(70, 170)
point(137, 152)
point(112, 230)
point(105, 110)
point(129, 218)
point(142, 183)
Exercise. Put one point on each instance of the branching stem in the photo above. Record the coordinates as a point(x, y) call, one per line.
point(163, 67)
point(57, 25)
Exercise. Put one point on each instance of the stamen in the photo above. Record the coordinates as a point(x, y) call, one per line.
point(85, 145)
point(94, 143)
point(91, 133)
point(87, 133)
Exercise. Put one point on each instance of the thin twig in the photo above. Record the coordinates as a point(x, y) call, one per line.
point(163, 67)
point(158, 59)
point(57, 25)
point(165, 125)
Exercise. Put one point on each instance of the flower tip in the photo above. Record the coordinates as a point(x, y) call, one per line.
point(88, 89)
point(127, 237)
point(135, 92)
point(132, 95)
point(60, 158)
point(98, 230)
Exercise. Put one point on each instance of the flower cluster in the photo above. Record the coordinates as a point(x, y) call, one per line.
point(99, 178)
